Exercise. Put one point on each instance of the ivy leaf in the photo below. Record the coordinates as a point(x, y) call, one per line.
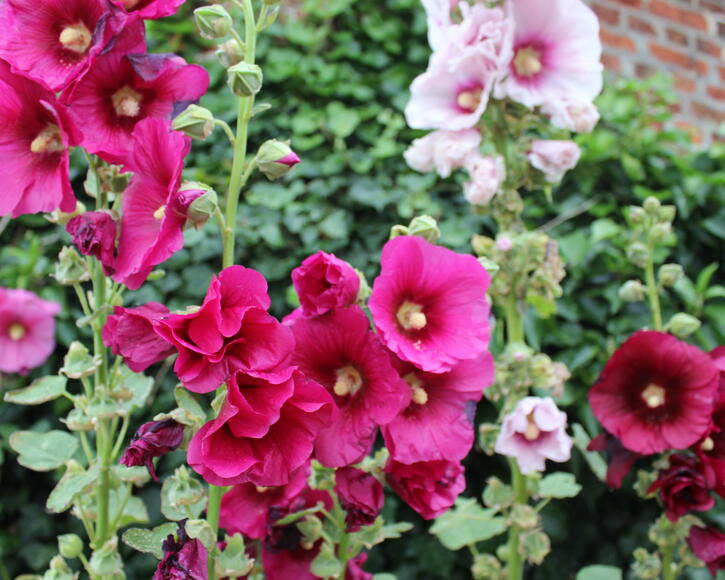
point(40, 391)
point(43, 451)
point(466, 524)
point(559, 485)
point(149, 541)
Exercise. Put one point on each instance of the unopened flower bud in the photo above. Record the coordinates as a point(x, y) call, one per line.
point(70, 267)
point(669, 274)
point(271, 16)
point(244, 79)
point(637, 253)
point(364, 291)
point(666, 213)
point(70, 545)
point(651, 205)
point(636, 215)
point(230, 53)
point(536, 545)
point(60, 569)
point(524, 516)
point(504, 243)
point(659, 232)
point(482, 245)
point(632, 291)
point(398, 230)
point(426, 227)
point(203, 207)
point(275, 158)
point(683, 324)
point(213, 21)
point(487, 435)
point(195, 121)
point(485, 566)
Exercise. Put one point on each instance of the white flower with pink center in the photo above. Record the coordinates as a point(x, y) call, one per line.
point(553, 158)
point(578, 116)
point(443, 151)
point(487, 176)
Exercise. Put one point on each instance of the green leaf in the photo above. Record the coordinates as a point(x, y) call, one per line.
point(40, 391)
point(604, 228)
point(341, 120)
point(599, 572)
point(595, 461)
point(138, 386)
point(201, 530)
point(69, 486)
point(43, 451)
point(704, 278)
point(325, 564)
point(78, 362)
point(559, 485)
point(149, 541)
point(466, 524)
point(192, 412)
point(135, 511)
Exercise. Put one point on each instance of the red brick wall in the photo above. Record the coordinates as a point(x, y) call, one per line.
point(682, 38)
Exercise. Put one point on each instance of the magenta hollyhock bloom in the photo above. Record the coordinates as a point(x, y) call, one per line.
point(150, 9)
point(124, 87)
point(184, 558)
point(708, 544)
point(620, 460)
point(361, 496)
point(556, 53)
point(94, 234)
point(56, 41)
point(429, 304)
point(685, 486)
point(264, 433)
point(324, 282)
point(553, 158)
point(340, 352)
point(438, 422)
point(27, 330)
point(153, 439)
point(656, 393)
point(129, 333)
point(429, 487)
point(35, 133)
point(231, 331)
point(534, 432)
point(443, 151)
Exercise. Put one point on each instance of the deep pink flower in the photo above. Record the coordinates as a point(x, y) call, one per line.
point(708, 544)
point(94, 234)
point(685, 486)
point(27, 330)
point(429, 487)
point(56, 41)
point(361, 496)
point(184, 558)
point(231, 331)
point(124, 87)
point(324, 282)
point(619, 459)
point(129, 332)
point(534, 432)
point(656, 393)
point(35, 133)
point(429, 304)
point(553, 158)
point(340, 352)
point(438, 422)
point(150, 9)
point(264, 433)
point(153, 439)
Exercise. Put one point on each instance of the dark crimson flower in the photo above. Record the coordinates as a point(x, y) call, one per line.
point(340, 352)
point(685, 486)
point(361, 496)
point(35, 133)
point(708, 544)
point(150, 9)
point(129, 332)
point(429, 487)
point(184, 558)
point(619, 459)
point(711, 448)
point(94, 234)
point(656, 393)
point(153, 439)
point(324, 282)
point(429, 304)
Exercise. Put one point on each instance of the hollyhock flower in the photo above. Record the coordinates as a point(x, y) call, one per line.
point(534, 432)
point(150, 9)
point(264, 433)
point(438, 14)
point(656, 393)
point(685, 486)
point(153, 439)
point(129, 333)
point(122, 89)
point(340, 352)
point(184, 558)
point(27, 330)
point(556, 53)
point(231, 331)
point(553, 158)
point(443, 151)
point(35, 133)
point(487, 176)
point(56, 41)
point(578, 116)
point(94, 234)
point(438, 422)
point(429, 487)
point(619, 459)
point(708, 544)
point(324, 282)
point(429, 304)
point(361, 496)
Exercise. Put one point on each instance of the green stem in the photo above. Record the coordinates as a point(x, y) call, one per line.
point(514, 321)
point(120, 439)
point(669, 572)
point(652, 290)
point(212, 516)
point(342, 555)
point(104, 483)
point(515, 561)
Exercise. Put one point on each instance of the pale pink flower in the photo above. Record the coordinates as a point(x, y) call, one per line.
point(553, 158)
point(443, 151)
point(487, 176)
point(578, 116)
point(534, 432)
point(438, 14)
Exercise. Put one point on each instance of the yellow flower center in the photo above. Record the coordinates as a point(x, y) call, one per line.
point(527, 62)
point(49, 140)
point(127, 102)
point(76, 37)
point(654, 396)
point(420, 396)
point(16, 331)
point(708, 444)
point(469, 100)
point(160, 213)
point(532, 429)
point(411, 317)
point(349, 380)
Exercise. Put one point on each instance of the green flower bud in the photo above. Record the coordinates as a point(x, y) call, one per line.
point(275, 158)
point(637, 215)
point(659, 232)
point(203, 207)
point(651, 205)
point(482, 245)
point(364, 292)
point(195, 121)
point(489, 265)
point(524, 516)
point(536, 545)
point(666, 213)
point(230, 53)
point(669, 274)
point(632, 291)
point(398, 230)
point(70, 545)
point(70, 267)
point(646, 565)
point(213, 22)
point(487, 436)
point(485, 567)
point(426, 227)
point(244, 79)
point(683, 324)
point(59, 570)
point(637, 253)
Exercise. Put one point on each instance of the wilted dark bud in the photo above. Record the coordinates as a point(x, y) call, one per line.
point(153, 439)
point(213, 22)
point(94, 234)
point(669, 274)
point(275, 158)
point(195, 121)
point(184, 557)
point(244, 79)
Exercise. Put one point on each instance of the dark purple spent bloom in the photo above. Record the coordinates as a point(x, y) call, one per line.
point(153, 439)
point(184, 558)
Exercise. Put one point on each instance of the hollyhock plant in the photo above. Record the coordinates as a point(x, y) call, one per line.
point(150, 9)
point(184, 558)
point(656, 393)
point(438, 422)
point(577, 116)
point(35, 133)
point(708, 544)
point(56, 42)
point(553, 158)
point(94, 234)
point(324, 282)
point(685, 486)
point(443, 151)
point(153, 439)
point(429, 487)
point(27, 330)
point(361, 496)
point(556, 53)
point(487, 175)
point(129, 333)
point(340, 352)
point(429, 304)
point(534, 432)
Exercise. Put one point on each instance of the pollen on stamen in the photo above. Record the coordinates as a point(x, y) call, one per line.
point(76, 38)
point(160, 213)
point(127, 102)
point(16, 331)
point(411, 316)
point(532, 431)
point(348, 381)
point(49, 140)
point(527, 62)
point(654, 396)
